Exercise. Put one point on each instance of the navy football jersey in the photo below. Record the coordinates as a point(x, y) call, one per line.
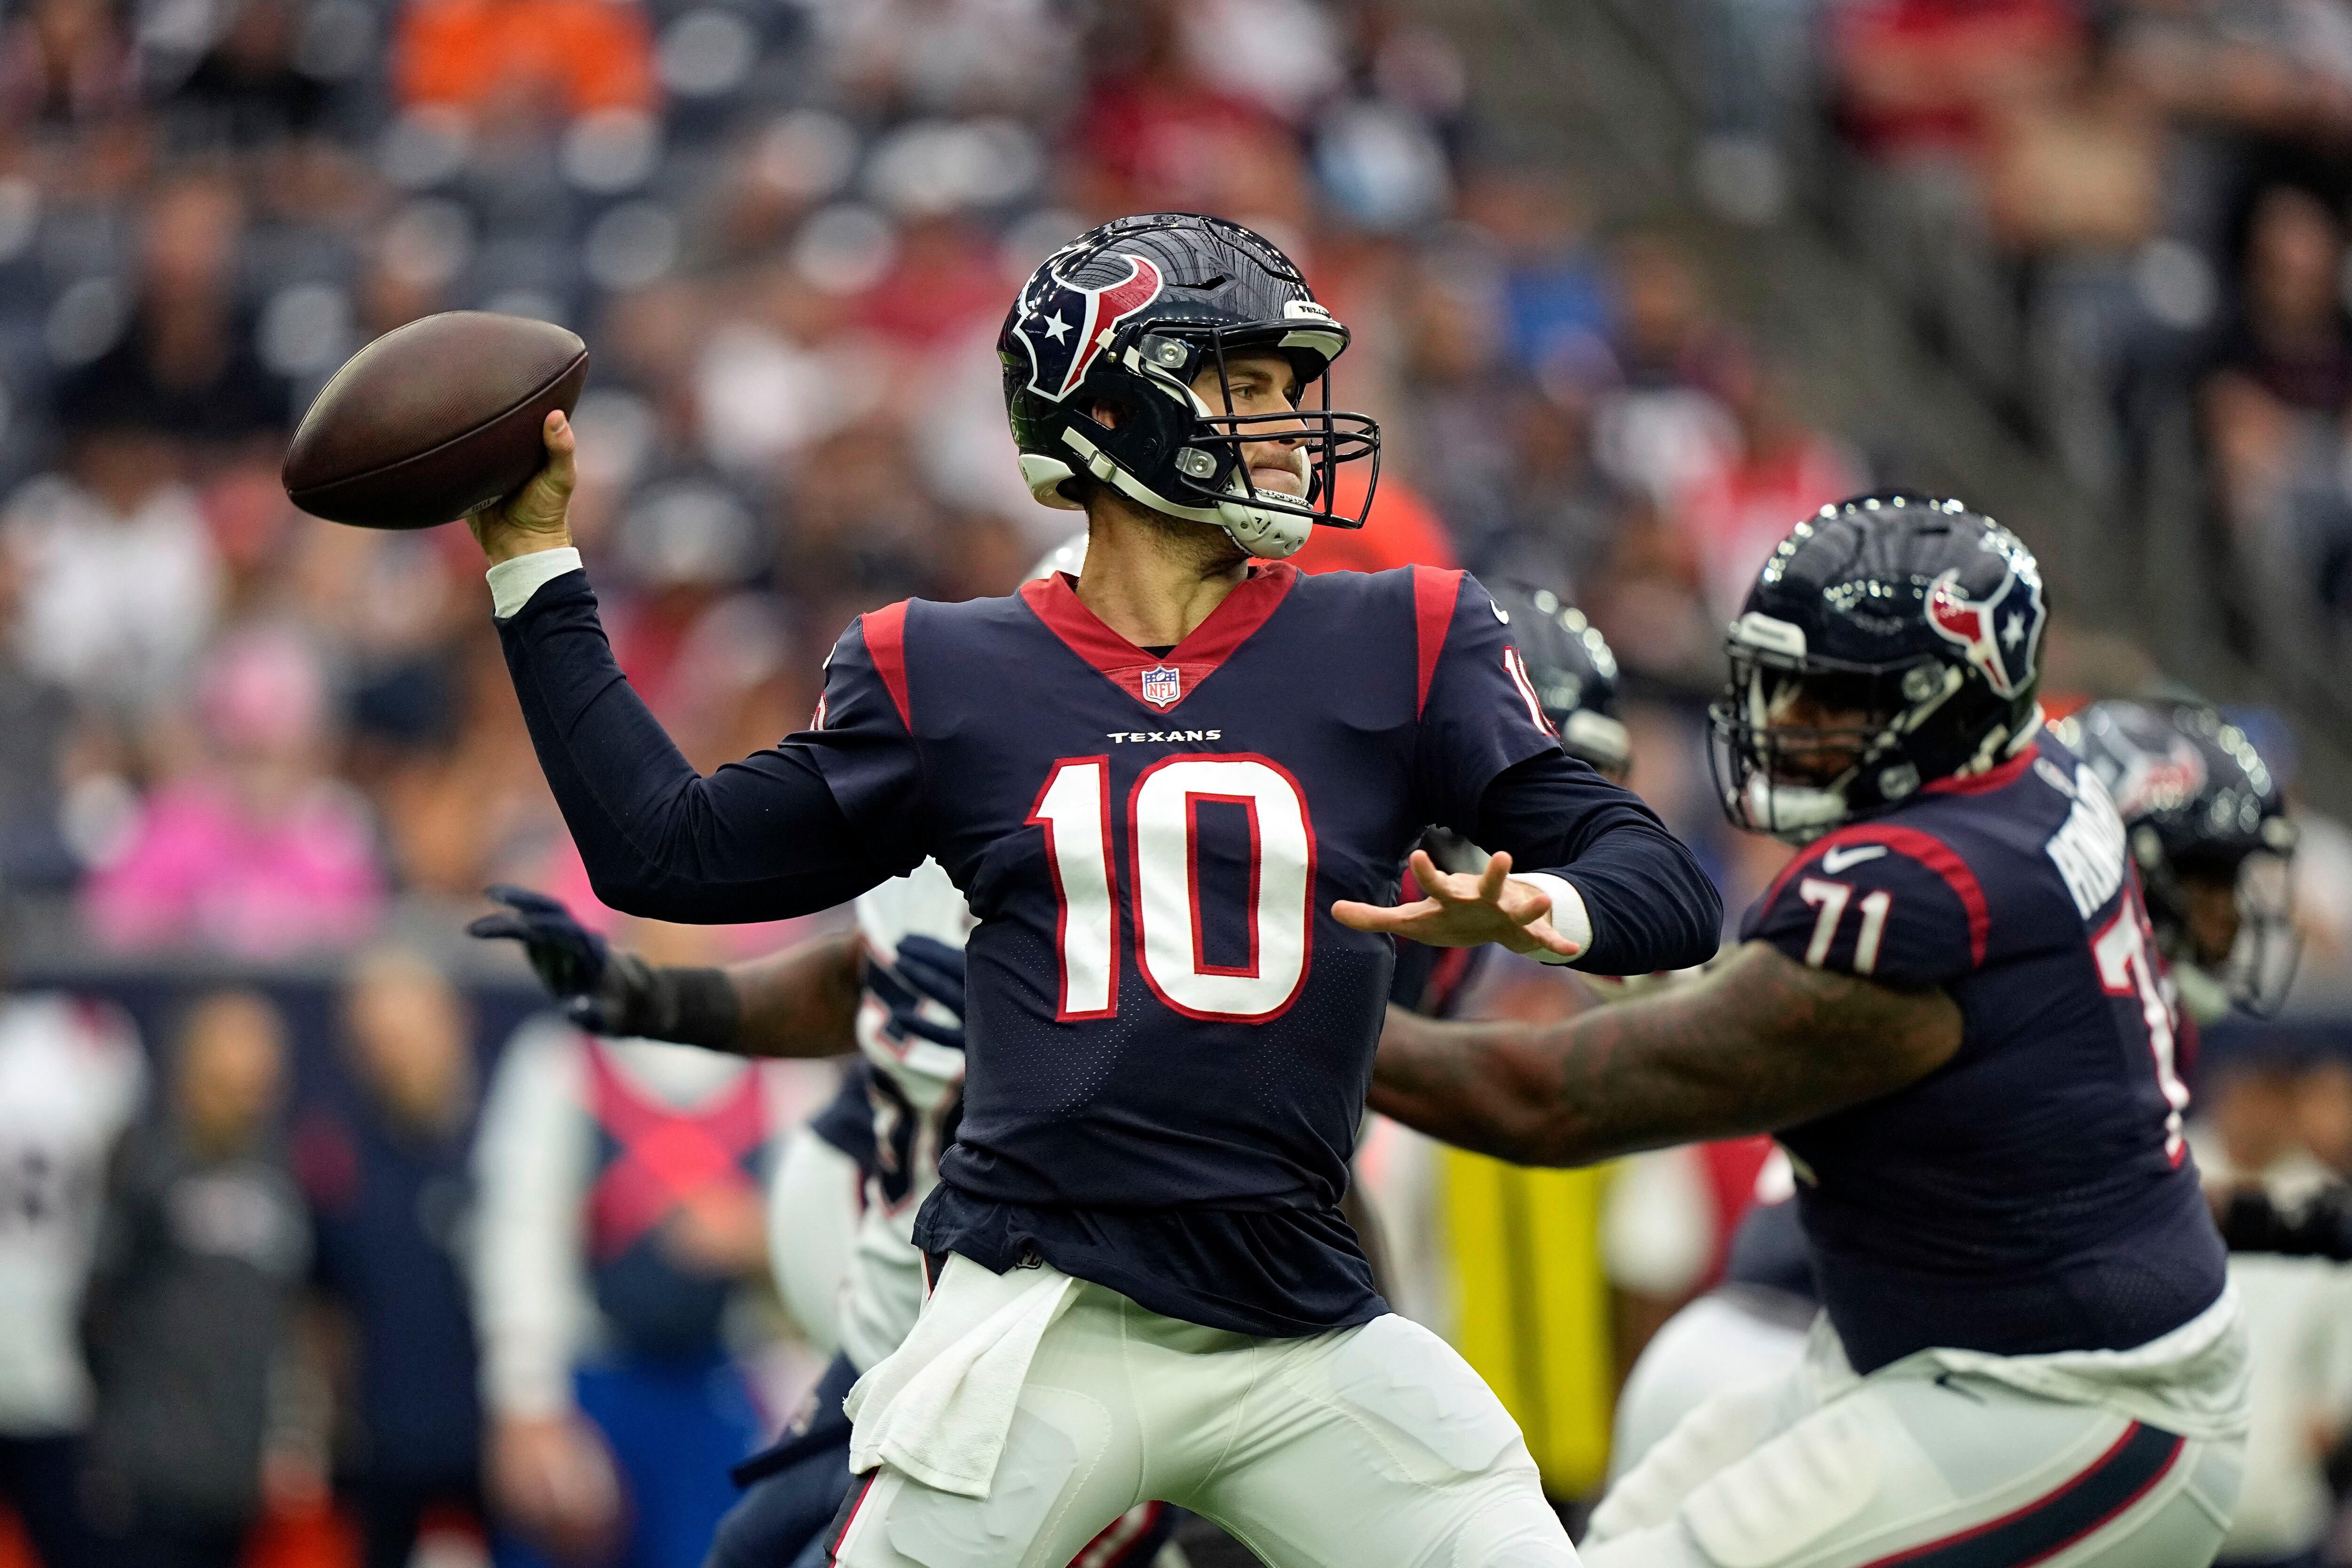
point(1160, 1008)
point(1169, 1037)
point(2034, 1194)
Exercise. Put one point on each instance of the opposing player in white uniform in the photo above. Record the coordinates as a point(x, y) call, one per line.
point(1949, 1009)
point(71, 1079)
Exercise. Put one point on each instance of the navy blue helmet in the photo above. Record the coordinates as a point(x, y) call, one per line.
point(1891, 641)
point(1129, 315)
point(1573, 674)
point(2199, 804)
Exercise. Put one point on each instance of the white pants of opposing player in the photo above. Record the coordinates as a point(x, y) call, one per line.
point(1724, 1340)
point(1371, 1445)
point(1950, 1459)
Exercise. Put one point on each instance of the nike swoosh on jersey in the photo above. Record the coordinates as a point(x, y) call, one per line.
point(1842, 857)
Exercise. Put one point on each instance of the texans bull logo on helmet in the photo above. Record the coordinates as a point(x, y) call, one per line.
point(2150, 780)
point(1063, 325)
point(2001, 634)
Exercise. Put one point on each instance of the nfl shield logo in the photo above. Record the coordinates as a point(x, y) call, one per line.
point(1162, 685)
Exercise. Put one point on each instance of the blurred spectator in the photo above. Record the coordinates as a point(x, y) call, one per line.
point(1660, 430)
point(186, 366)
point(474, 810)
point(1776, 470)
point(386, 1173)
point(1556, 288)
point(620, 1186)
point(64, 62)
point(563, 58)
point(1922, 85)
point(247, 91)
point(1154, 134)
point(2291, 344)
point(39, 716)
point(260, 850)
point(191, 1309)
point(71, 1078)
point(2273, 409)
point(947, 57)
point(120, 579)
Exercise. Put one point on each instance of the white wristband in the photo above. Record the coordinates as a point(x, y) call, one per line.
point(513, 581)
point(1568, 916)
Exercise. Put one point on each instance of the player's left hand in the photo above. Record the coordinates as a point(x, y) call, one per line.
point(1459, 910)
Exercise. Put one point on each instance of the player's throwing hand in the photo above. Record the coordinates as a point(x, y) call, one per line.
point(535, 518)
point(1458, 910)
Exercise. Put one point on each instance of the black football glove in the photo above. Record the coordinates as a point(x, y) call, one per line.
point(608, 992)
point(928, 968)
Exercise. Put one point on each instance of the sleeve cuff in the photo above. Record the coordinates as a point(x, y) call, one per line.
point(512, 582)
point(1568, 916)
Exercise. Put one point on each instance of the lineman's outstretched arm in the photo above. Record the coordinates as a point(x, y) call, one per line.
point(762, 839)
point(1760, 1043)
point(800, 1002)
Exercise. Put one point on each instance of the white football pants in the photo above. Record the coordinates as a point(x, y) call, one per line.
point(1717, 1342)
point(814, 1197)
point(1946, 1459)
point(1371, 1445)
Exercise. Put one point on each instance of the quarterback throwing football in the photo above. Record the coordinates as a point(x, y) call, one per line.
point(1175, 791)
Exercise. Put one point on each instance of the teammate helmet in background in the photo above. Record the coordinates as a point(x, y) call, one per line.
point(1128, 315)
point(1891, 640)
point(2199, 807)
point(1574, 676)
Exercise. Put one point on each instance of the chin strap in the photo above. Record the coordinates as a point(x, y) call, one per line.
point(1269, 536)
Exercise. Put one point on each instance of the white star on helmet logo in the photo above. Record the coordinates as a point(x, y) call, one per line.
point(1056, 328)
point(2013, 632)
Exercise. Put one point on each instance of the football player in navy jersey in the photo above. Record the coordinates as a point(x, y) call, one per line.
point(1175, 791)
point(1950, 1010)
point(899, 1106)
point(2212, 843)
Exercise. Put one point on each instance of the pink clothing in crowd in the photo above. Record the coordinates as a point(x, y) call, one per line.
point(200, 872)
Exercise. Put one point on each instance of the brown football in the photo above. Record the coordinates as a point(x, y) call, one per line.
point(433, 420)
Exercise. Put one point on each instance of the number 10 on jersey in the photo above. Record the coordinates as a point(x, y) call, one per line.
point(1164, 877)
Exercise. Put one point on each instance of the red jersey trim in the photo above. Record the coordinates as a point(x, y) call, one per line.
point(1054, 602)
point(1984, 783)
point(1926, 849)
point(1434, 594)
point(885, 644)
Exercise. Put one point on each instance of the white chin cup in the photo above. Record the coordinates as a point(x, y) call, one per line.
point(1793, 811)
point(1269, 536)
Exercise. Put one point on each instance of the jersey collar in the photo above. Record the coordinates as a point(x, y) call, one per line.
point(1160, 686)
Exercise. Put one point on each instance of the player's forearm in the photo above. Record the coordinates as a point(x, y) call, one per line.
point(761, 840)
point(801, 1002)
point(1759, 1044)
point(1557, 1096)
point(1480, 1086)
point(1650, 905)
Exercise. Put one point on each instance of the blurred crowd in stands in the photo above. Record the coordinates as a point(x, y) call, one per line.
point(788, 231)
point(2123, 220)
point(238, 737)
